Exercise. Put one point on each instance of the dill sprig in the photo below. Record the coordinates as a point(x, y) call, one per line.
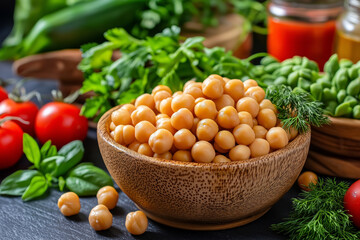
point(296, 108)
point(319, 214)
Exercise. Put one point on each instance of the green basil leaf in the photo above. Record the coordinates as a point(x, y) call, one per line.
point(51, 165)
point(31, 150)
point(48, 150)
point(72, 152)
point(16, 183)
point(37, 188)
point(61, 183)
point(86, 180)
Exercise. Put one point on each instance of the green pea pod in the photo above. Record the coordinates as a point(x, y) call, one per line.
point(324, 81)
point(330, 108)
point(304, 84)
point(345, 63)
point(316, 91)
point(288, 62)
point(296, 68)
point(341, 79)
point(300, 90)
point(350, 99)
point(343, 110)
point(268, 60)
point(280, 81)
point(353, 88)
point(306, 63)
point(272, 67)
point(353, 72)
point(297, 60)
point(329, 95)
point(305, 73)
point(258, 70)
point(356, 112)
point(341, 96)
point(292, 79)
point(332, 65)
point(285, 70)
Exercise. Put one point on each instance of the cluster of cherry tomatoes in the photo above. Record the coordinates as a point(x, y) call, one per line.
point(56, 121)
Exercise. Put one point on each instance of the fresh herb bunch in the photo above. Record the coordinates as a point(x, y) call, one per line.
point(296, 108)
point(161, 59)
point(52, 168)
point(319, 214)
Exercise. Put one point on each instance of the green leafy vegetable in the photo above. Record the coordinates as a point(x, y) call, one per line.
point(86, 179)
point(17, 183)
point(37, 188)
point(48, 150)
point(31, 150)
point(319, 214)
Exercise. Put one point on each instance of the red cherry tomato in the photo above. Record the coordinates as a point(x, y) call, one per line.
point(352, 202)
point(61, 123)
point(3, 94)
point(11, 144)
point(25, 110)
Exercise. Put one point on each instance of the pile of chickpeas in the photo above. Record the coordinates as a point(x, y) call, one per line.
point(100, 217)
point(218, 120)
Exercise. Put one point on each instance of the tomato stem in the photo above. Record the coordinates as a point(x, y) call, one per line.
point(9, 118)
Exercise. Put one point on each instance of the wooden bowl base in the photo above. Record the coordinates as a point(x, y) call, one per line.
point(205, 226)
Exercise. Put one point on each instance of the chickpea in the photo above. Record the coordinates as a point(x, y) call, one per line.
point(177, 93)
point(112, 126)
point(143, 130)
point(260, 131)
point(188, 83)
point(224, 101)
point(194, 91)
point(161, 88)
point(220, 158)
point(128, 107)
point(100, 218)
point(203, 152)
point(165, 123)
point(184, 139)
point(206, 129)
point(239, 153)
point(255, 122)
point(244, 134)
point(145, 149)
point(200, 99)
point(234, 88)
point(69, 204)
point(165, 106)
point(212, 88)
point(277, 137)
point(143, 113)
point(134, 146)
point(159, 96)
point(194, 127)
point(259, 147)
point(112, 134)
point(293, 133)
point(161, 141)
point(226, 79)
point(219, 149)
point(246, 118)
point(136, 222)
point(182, 119)
point(267, 118)
point(146, 100)
point(161, 116)
point(249, 83)
point(107, 196)
point(266, 103)
point(124, 135)
point(121, 117)
point(182, 156)
point(225, 140)
point(228, 117)
point(218, 77)
point(205, 109)
point(307, 178)
point(166, 155)
point(256, 92)
point(183, 101)
point(249, 105)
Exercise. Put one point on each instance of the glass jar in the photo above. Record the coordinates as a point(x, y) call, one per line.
point(303, 28)
point(348, 32)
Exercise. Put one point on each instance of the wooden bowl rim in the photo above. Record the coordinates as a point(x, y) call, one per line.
point(104, 134)
point(344, 121)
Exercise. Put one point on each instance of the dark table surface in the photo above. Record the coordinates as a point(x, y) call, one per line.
point(41, 219)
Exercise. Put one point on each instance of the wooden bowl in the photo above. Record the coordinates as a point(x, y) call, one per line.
point(335, 148)
point(209, 196)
